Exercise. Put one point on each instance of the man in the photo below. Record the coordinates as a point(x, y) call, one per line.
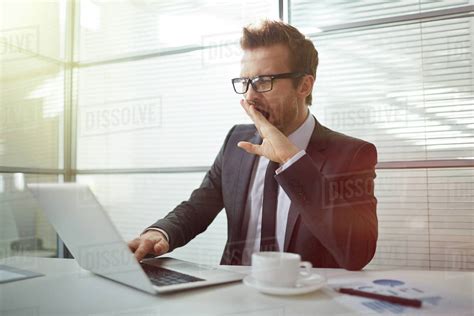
point(287, 183)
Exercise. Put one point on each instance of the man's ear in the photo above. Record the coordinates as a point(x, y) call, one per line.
point(306, 85)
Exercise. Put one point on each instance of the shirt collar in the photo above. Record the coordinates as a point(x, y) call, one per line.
point(302, 135)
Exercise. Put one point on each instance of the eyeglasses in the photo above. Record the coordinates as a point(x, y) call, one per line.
point(262, 83)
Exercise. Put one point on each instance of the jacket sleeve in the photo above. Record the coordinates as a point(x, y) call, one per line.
point(339, 209)
point(193, 216)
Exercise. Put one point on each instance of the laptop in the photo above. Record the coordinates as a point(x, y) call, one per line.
point(91, 237)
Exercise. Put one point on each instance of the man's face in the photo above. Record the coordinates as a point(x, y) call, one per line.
point(282, 106)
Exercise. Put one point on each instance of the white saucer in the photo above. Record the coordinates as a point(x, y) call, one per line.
point(302, 287)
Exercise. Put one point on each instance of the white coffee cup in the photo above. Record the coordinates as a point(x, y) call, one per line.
point(279, 269)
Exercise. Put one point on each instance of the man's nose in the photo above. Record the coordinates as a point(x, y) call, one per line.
point(251, 94)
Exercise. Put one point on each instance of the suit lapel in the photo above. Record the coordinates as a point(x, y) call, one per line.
point(315, 150)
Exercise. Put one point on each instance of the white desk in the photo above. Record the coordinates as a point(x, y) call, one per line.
point(67, 289)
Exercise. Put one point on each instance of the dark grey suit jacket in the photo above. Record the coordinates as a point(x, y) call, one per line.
point(332, 220)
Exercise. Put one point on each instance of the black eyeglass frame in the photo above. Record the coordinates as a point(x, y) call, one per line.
point(252, 80)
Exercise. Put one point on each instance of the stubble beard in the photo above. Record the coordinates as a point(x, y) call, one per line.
point(288, 113)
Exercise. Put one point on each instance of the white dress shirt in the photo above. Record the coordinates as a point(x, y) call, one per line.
point(300, 138)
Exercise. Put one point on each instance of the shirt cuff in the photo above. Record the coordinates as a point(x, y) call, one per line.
point(159, 230)
point(290, 161)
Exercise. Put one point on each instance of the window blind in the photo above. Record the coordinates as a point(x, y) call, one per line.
point(157, 120)
point(425, 219)
point(131, 28)
point(153, 90)
point(311, 15)
point(32, 85)
point(406, 88)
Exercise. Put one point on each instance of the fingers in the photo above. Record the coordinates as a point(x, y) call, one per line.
point(161, 247)
point(245, 105)
point(133, 245)
point(254, 115)
point(250, 148)
point(145, 247)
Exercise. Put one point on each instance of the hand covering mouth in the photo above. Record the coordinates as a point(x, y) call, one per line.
point(264, 113)
point(260, 109)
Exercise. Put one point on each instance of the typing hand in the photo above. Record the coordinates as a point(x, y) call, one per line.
point(151, 242)
point(275, 145)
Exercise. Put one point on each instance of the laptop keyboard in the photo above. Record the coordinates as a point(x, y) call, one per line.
point(161, 276)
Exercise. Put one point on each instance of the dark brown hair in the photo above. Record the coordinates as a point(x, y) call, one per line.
point(303, 54)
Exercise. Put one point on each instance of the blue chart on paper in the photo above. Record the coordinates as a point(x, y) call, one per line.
point(396, 288)
point(387, 282)
point(381, 306)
